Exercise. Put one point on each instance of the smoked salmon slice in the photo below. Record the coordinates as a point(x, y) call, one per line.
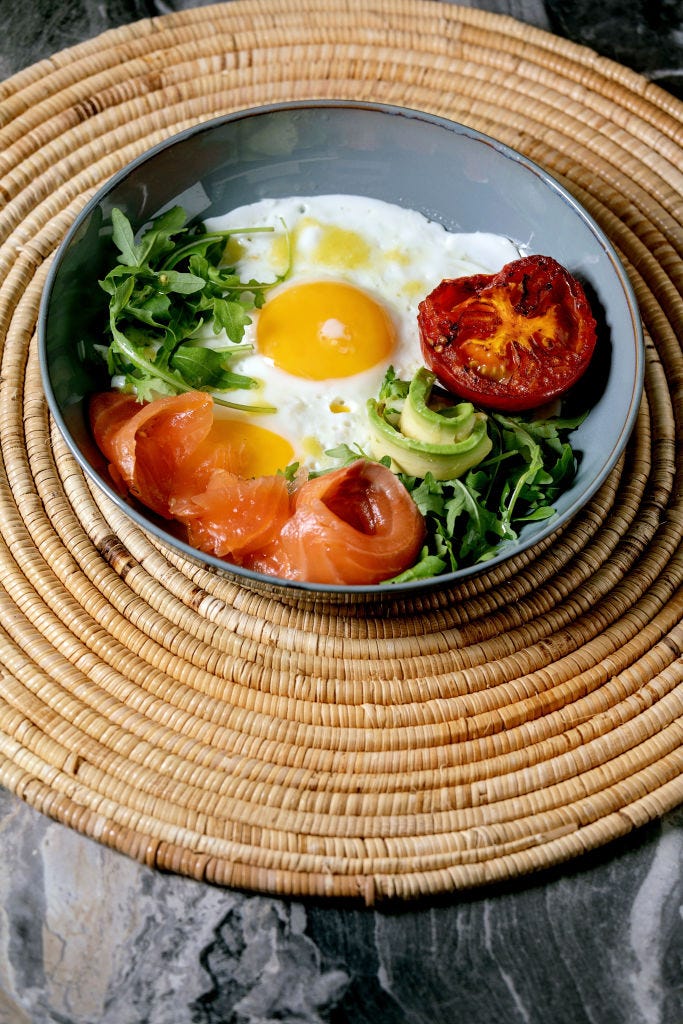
point(165, 455)
point(234, 517)
point(353, 526)
point(108, 413)
point(147, 444)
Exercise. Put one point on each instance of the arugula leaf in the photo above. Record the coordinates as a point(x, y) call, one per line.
point(124, 240)
point(346, 454)
point(165, 290)
point(427, 566)
point(427, 495)
point(230, 317)
point(184, 284)
point(392, 395)
point(198, 365)
point(290, 472)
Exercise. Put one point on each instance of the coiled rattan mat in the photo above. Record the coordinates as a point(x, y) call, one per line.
point(446, 741)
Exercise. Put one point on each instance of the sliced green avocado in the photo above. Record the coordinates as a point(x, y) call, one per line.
point(447, 424)
point(417, 458)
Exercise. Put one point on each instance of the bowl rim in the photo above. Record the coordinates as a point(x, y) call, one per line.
point(277, 584)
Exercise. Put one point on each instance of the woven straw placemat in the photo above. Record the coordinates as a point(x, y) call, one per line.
point(464, 736)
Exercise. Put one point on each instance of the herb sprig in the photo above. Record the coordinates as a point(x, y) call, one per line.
point(165, 290)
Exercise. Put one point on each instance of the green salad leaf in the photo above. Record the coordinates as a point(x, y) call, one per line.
point(166, 291)
point(470, 518)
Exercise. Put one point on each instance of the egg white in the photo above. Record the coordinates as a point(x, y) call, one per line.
point(394, 254)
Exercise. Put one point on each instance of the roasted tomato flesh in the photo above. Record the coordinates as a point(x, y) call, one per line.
point(511, 341)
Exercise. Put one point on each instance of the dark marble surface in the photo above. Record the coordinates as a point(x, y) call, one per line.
point(88, 936)
point(647, 37)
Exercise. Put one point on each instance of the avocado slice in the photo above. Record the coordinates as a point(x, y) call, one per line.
point(418, 457)
point(438, 422)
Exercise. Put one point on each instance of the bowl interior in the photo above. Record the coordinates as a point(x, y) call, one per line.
point(448, 172)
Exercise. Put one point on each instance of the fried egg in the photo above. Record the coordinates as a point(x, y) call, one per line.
point(354, 270)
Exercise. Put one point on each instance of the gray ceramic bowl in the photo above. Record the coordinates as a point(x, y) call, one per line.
point(450, 173)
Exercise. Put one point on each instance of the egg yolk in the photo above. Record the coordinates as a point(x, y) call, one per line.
point(324, 329)
point(254, 450)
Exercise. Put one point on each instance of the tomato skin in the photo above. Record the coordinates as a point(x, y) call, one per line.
point(509, 341)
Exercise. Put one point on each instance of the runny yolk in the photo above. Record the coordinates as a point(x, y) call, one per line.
point(254, 450)
point(324, 329)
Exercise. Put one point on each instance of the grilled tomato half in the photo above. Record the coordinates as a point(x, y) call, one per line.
point(509, 341)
